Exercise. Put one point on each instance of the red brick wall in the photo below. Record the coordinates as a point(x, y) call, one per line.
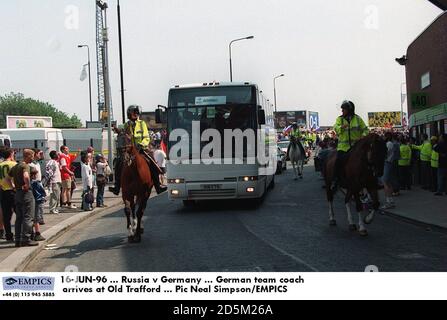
point(428, 53)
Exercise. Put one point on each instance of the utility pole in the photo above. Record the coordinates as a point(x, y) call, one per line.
point(123, 106)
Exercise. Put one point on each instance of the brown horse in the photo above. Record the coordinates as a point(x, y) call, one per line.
point(363, 165)
point(136, 184)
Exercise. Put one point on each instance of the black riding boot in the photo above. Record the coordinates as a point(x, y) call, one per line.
point(155, 174)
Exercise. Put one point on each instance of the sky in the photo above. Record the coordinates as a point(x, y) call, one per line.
point(329, 51)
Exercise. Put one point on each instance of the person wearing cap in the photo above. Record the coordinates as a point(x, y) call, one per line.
point(425, 157)
point(349, 128)
point(140, 138)
point(101, 179)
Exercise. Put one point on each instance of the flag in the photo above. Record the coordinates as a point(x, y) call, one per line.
point(287, 130)
point(83, 74)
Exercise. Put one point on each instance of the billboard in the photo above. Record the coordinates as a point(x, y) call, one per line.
point(385, 119)
point(286, 118)
point(314, 120)
point(19, 122)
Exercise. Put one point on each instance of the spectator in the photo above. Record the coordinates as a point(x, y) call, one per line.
point(35, 164)
point(2, 226)
point(24, 201)
point(53, 181)
point(395, 163)
point(160, 158)
point(7, 192)
point(101, 180)
point(404, 164)
point(434, 165)
point(425, 157)
point(87, 183)
point(441, 149)
point(388, 173)
point(39, 199)
point(67, 176)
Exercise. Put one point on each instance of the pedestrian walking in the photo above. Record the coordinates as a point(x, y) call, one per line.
point(53, 181)
point(39, 199)
point(160, 158)
point(404, 164)
point(67, 176)
point(387, 177)
point(87, 183)
point(24, 200)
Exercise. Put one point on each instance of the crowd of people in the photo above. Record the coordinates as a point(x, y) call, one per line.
point(26, 185)
point(407, 162)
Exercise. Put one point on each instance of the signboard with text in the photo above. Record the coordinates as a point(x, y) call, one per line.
point(19, 122)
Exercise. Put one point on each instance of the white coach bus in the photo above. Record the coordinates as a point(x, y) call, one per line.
point(224, 108)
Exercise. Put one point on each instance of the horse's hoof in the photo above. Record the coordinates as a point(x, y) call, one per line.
point(141, 230)
point(130, 239)
point(363, 233)
point(137, 239)
point(301, 177)
point(332, 223)
point(369, 218)
point(295, 179)
point(352, 227)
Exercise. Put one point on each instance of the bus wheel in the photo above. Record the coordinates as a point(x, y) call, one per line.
point(189, 203)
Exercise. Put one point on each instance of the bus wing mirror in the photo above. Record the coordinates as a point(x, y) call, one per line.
point(159, 116)
point(261, 116)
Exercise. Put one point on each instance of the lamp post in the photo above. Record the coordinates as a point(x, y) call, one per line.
point(274, 87)
point(403, 62)
point(123, 107)
point(231, 64)
point(89, 79)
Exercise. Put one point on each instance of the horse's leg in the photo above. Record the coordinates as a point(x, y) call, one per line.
point(142, 203)
point(134, 219)
point(128, 211)
point(301, 169)
point(295, 170)
point(376, 204)
point(352, 225)
point(330, 200)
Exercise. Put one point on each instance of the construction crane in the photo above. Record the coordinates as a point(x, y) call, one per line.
point(102, 63)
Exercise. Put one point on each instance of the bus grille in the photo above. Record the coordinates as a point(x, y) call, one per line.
point(212, 194)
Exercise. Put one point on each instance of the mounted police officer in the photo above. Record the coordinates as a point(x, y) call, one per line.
point(139, 132)
point(350, 128)
point(296, 133)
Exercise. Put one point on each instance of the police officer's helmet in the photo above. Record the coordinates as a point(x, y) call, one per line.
point(349, 105)
point(133, 109)
point(295, 125)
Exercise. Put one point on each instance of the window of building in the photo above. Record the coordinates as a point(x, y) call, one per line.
point(425, 80)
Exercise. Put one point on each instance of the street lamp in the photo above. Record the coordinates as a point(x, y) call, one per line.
point(89, 78)
point(274, 87)
point(231, 65)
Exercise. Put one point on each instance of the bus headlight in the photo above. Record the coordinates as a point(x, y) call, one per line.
point(176, 181)
point(248, 178)
point(250, 190)
point(175, 192)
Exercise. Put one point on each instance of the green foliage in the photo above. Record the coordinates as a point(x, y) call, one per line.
point(15, 104)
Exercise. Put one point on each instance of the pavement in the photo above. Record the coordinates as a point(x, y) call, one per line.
point(14, 259)
point(421, 206)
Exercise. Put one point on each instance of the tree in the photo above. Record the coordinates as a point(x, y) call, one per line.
point(15, 104)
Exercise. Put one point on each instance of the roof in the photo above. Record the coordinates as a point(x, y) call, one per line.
point(212, 84)
point(426, 29)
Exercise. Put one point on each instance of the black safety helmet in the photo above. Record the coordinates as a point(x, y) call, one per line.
point(133, 109)
point(349, 105)
point(295, 125)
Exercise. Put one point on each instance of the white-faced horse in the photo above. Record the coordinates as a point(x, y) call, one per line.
point(297, 157)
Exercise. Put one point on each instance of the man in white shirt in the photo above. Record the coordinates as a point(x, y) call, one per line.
point(160, 158)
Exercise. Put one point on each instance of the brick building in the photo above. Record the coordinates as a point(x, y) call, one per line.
point(426, 74)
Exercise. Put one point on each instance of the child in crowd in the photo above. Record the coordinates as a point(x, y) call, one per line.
point(39, 198)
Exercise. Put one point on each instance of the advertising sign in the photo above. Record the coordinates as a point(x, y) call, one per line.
point(19, 122)
point(384, 119)
point(314, 120)
point(285, 119)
